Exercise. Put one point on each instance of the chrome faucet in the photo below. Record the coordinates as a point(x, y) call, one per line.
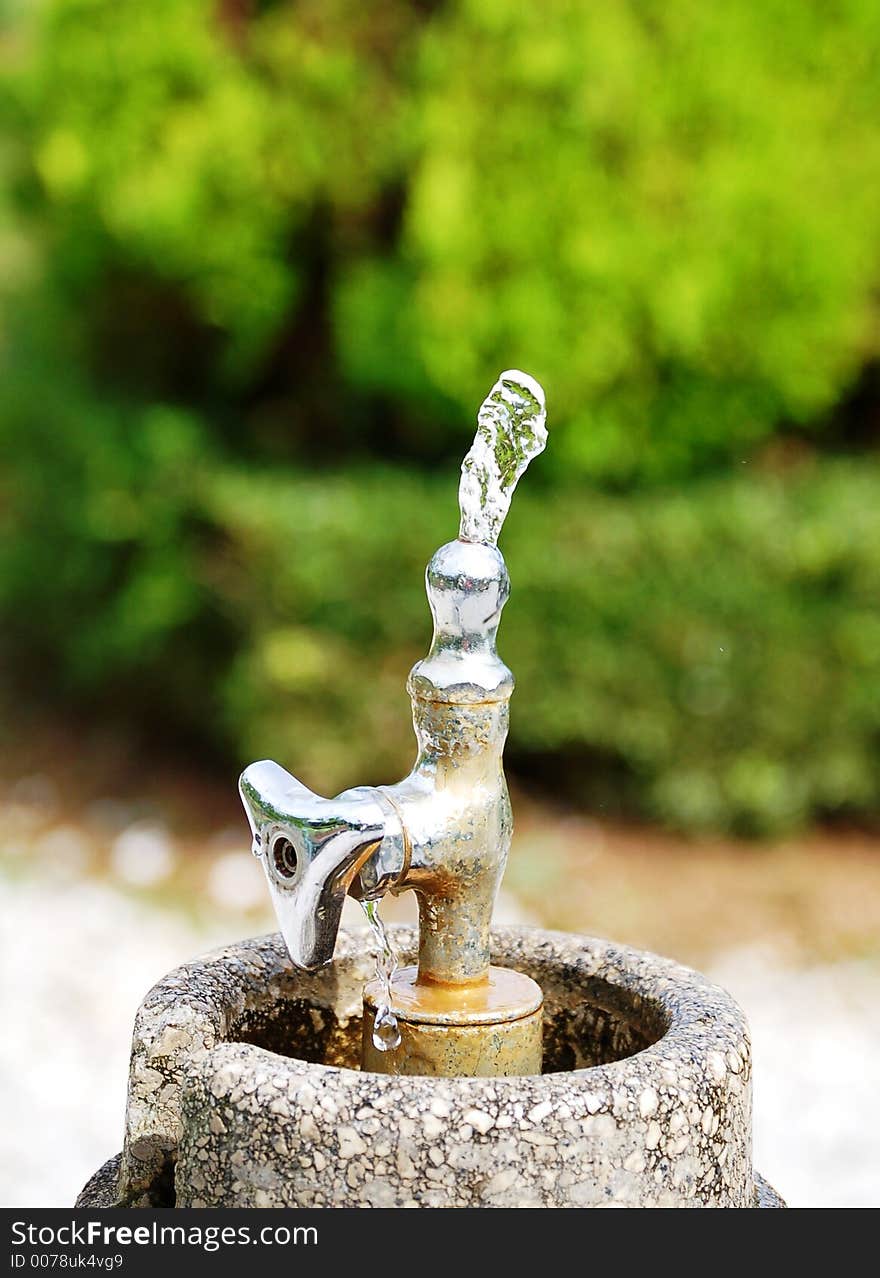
point(444, 831)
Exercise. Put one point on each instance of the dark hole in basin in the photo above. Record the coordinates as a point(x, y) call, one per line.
point(577, 1038)
point(586, 1023)
point(303, 1029)
point(590, 1021)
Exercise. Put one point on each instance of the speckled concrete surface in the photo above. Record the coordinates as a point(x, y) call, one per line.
point(648, 1102)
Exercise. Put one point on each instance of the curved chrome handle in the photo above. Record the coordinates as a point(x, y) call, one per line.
point(312, 849)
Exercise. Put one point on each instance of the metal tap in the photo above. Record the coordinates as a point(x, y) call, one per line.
point(444, 831)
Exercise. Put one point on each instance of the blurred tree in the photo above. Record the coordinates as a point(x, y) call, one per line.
point(668, 212)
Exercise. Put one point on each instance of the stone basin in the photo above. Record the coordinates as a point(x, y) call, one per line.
point(245, 1091)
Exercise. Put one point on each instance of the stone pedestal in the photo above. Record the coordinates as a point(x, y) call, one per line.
point(244, 1091)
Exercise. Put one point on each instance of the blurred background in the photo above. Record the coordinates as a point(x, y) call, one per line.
point(261, 261)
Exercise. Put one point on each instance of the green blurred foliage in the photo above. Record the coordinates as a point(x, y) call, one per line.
point(668, 212)
point(254, 247)
point(178, 140)
point(711, 660)
point(100, 533)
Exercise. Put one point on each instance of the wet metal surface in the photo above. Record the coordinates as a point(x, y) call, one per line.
point(490, 1028)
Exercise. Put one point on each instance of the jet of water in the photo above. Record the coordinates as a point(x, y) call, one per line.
point(511, 430)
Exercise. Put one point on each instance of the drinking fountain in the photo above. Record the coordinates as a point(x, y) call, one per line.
point(444, 832)
point(479, 1066)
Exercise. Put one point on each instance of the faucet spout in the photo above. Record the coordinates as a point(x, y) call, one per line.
point(312, 849)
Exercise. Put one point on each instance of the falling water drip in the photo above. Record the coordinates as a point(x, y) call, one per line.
point(386, 1032)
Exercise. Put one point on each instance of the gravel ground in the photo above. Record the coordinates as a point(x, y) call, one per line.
point(816, 1054)
point(77, 954)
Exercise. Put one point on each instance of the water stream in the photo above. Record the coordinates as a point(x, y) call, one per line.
point(386, 1032)
point(511, 430)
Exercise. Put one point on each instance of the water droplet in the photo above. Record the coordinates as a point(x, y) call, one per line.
point(386, 1031)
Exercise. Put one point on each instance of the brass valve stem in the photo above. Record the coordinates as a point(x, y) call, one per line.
point(488, 1029)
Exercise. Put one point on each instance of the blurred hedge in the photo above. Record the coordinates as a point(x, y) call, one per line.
point(712, 660)
point(709, 658)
